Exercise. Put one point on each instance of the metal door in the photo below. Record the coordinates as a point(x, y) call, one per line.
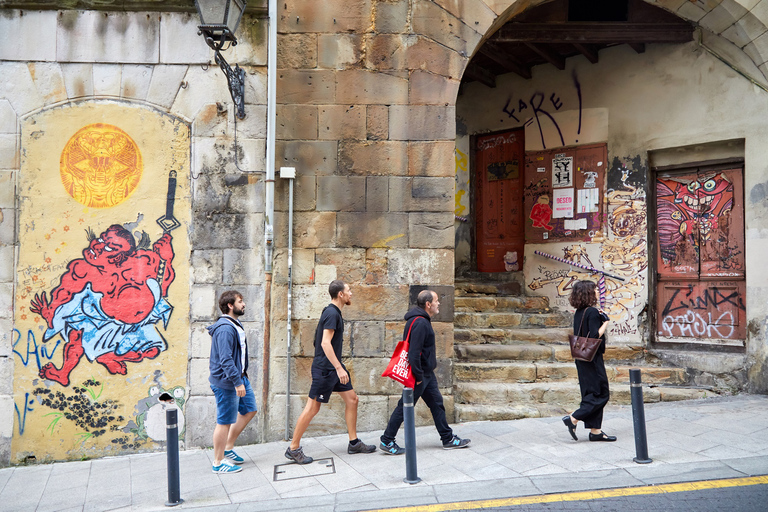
point(499, 223)
point(700, 257)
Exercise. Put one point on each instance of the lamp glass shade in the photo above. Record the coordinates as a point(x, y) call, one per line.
point(223, 13)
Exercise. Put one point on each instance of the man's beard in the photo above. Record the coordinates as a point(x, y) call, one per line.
point(238, 312)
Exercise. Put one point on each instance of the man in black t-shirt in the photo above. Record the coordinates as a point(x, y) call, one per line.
point(329, 375)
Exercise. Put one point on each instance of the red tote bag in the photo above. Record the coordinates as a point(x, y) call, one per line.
point(399, 369)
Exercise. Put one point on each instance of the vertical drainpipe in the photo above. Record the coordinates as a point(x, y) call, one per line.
point(269, 207)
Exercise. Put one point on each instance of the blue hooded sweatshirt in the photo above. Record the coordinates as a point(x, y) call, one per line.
point(226, 368)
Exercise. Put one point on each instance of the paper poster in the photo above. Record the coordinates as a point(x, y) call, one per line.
point(562, 171)
point(563, 207)
point(575, 224)
point(587, 200)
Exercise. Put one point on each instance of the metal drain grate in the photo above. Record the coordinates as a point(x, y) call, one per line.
point(292, 471)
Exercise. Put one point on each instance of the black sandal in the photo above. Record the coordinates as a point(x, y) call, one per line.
point(571, 427)
point(602, 436)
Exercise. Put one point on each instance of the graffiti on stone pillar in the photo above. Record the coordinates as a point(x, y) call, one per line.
point(462, 184)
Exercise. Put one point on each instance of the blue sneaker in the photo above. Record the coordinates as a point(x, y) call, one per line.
point(231, 455)
point(226, 467)
point(391, 448)
point(455, 442)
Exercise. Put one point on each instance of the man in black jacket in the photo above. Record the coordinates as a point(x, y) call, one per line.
point(421, 355)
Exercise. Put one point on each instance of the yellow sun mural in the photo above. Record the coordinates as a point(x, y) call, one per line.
point(100, 166)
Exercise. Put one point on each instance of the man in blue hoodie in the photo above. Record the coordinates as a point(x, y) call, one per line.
point(235, 401)
point(421, 355)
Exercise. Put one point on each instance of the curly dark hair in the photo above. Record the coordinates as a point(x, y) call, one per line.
point(583, 294)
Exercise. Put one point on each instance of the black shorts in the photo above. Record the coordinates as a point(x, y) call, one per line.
point(324, 382)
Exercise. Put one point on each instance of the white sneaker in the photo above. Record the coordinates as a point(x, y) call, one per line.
point(226, 467)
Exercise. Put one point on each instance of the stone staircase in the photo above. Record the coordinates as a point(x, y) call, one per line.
point(512, 359)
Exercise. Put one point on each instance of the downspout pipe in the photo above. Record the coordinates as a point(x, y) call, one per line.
point(269, 209)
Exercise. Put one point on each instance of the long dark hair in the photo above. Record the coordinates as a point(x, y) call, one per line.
point(583, 295)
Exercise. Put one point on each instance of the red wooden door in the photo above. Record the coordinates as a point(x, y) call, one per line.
point(499, 222)
point(700, 257)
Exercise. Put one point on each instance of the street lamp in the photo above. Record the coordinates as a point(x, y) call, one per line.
point(218, 22)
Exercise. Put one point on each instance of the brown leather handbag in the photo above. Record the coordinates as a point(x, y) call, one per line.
point(583, 348)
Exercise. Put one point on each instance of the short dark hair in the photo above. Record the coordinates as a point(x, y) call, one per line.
point(336, 286)
point(583, 294)
point(227, 298)
point(424, 297)
point(123, 233)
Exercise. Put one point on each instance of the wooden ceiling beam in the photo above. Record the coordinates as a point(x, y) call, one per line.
point(587, 50)
point(481, 75)
point(497, 54)
point(638, 47)
point(548, 54)
point(595, 33)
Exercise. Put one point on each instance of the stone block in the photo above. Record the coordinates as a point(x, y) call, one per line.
point(135, 81)
point(211, 121)
point(243, 266)
point(200, 416)
point(21, 91)
point(423, 53)
point(308, 301)
point(365, 373)
point(6, 421)
point(207, 266)
point(377, 122)
point(179, 42)
point(163, 87)
point(255, 85)
point(203, 302)
point(422, 122)
point(476, 15)
point(386, 52)
point(233, 192)
point(9, 155)
point(444, 296)
point(430, 89)
point(341, 193)
point(324, 16)
point(372, 229)
point(310, 229)
point(338, 122)
point(100, 36)
point(377, 302)
point(107, 79)
point(7, 258)
point(254, 126)
point(28, 36)
point(443, 338)
point(421, 194)
point(325, 273)
point(305, 87)
point(218, 230)
point(408, 266)
point(348, 264)
point(376, 266)
point(432, 21)
point(6, 337)
point(391, 17)
point(304, 194)
point(356, 86)
point(198, 377)
point(49, 81)
point(296, 51)
point(199, 87)
point(252, 40)
point(372, 158)
point(719, 18)
point(6, 376)
point(430, 230)
point(303, 265)
point(308, 157)
point(296, 122)
point(199, 340)
point(7, 226)
point(377, 194)
point(431, 159)
point(78, 79)
point(338, 51)
point(367, 339)
point(217, 155)
point(8, 119)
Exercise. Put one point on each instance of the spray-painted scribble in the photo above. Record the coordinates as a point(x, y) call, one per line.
point(462, 184)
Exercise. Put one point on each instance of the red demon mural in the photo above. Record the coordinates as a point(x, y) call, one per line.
point(108, 302)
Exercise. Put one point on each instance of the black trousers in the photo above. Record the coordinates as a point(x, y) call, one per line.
point(593, 383)
point(429, 392)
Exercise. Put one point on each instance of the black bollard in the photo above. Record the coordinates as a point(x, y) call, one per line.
point(172, 437)
point(409, 418)
point(638, 418)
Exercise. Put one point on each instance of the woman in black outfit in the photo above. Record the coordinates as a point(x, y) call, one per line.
point(593, 381)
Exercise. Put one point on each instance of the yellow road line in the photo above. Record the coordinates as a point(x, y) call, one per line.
point(585, 495)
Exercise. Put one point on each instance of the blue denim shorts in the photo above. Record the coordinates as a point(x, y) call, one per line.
point(228, 404)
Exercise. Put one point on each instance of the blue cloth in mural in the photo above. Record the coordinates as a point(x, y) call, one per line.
point(103, 334)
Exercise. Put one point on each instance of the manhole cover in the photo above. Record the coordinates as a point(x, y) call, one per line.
point(291, 470)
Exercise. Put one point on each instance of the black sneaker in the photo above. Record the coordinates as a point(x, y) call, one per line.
point(391, 448)
point(298, 456)
point(456, 442)
point(361, 447)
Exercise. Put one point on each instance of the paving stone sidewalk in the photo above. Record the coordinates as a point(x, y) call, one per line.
point(722, 437)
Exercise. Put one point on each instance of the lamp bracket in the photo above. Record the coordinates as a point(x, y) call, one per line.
point(236, 81)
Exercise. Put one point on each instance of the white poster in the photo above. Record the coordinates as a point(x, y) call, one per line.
point(587, 200)
point(563, 207)
point(562, 171)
